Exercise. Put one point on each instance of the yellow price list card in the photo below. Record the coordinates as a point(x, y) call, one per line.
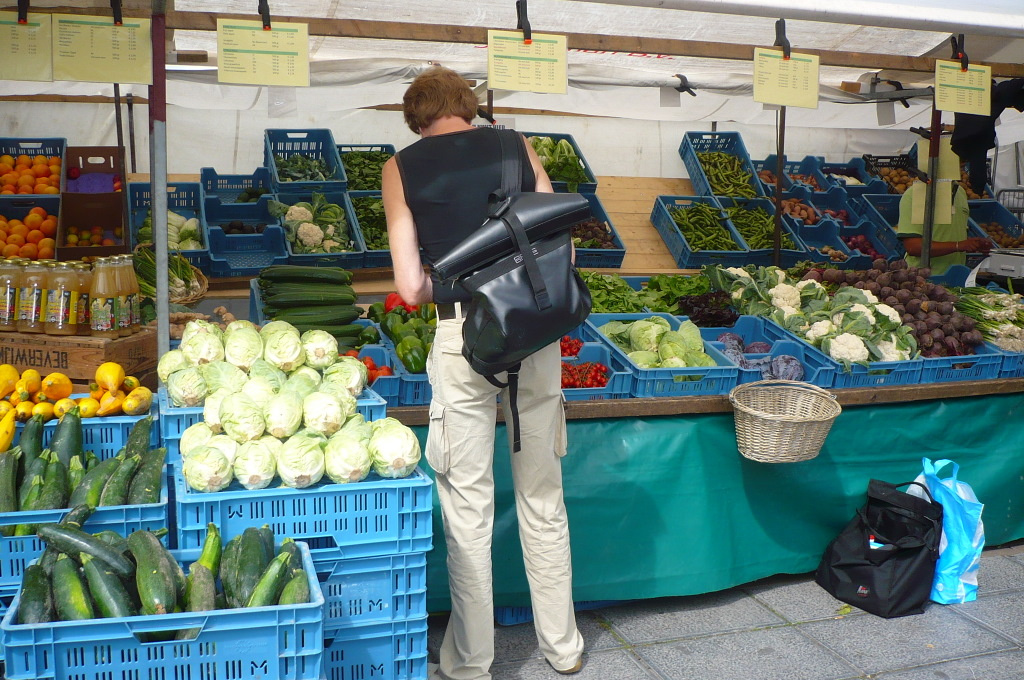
point(963, 91)
point(785, 82)
point(249, 55)
point(92, 49)
point(537, 67)
point(29, 55)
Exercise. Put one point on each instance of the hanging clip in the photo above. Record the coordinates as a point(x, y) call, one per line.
point(22, 11)
point(780, 38)
point(115, 5)
point(524, 22)
point(958, 51)
point(482, 113)
point(264, 10)
point(684, 85)
point(897, 85)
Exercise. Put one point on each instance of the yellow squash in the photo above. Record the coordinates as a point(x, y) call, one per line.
point(8, 378)
point(110, 404)
point(109, 376)
point(138, 402)
point(7, 426)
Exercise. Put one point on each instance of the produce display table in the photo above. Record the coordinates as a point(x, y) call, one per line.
point(664, 505)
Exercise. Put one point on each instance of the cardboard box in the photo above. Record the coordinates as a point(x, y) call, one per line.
point(105, 164)
point(78, 356)
point(86, 211)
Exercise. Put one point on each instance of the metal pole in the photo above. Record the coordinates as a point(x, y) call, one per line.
point(131, 129)
point(117, 116)
point(158, 173)
point(780, 168)
point(933, 171)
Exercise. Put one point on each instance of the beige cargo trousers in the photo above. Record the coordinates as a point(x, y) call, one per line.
point(460, 449)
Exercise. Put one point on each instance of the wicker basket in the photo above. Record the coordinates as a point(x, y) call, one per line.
point(191, 298)
point(782, 421)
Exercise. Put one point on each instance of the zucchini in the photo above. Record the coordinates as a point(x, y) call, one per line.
point(90, 488)
point(202, 597)
point(55, 491)
point(296, 591)
point(67, 436)
point(70, 592)
point(291, 272)
point(76, 471)
point(138, 438)
point(159, 554)
point(77, 515)
point(9, 461)
point(36, 604)
point(209, 557)
point(272, 581)
point(294, 558)
point(91, 460)
point(109, 596)
point(31, 441)
point(115, 541)
point(249, 566)
point(314, 297)
point(267, 534)
point(145, 485)
point(29, 498)
point(34, 469)
point(157, 590)
point(115, 491)
point(227, 572)
point(74, 542)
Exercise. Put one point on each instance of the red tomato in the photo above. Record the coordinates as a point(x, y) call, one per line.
point(384, 370)
point(369, 363)
point(351, 353)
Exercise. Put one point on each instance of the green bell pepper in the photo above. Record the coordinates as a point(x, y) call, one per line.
point(414, 358)
point(391, 321)
point(369, 336)
point(375, 312)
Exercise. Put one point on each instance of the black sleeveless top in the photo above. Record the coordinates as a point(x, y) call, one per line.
point(447, 180)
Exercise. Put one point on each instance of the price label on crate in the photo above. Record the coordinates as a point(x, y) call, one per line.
point(785, 82)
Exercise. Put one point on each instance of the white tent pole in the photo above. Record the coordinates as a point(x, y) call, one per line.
point(158, 174)
point(885, 13)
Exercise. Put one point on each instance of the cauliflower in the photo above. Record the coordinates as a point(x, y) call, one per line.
point(890, 352)
point(737, 294)
point(820, 329)
point(310, 235)
point(808, 282)
point(738, 272)
point(297, 213)
point(330, 245)
point(848, 347)
point(865, 311)
point(785, 295)
point(788, 311)
point(889, 312)
point(330, 229)
point(870, 296)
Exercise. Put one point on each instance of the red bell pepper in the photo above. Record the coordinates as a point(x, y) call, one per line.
point(394, 300)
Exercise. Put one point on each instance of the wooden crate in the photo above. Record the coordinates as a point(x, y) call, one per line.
point(78, 356)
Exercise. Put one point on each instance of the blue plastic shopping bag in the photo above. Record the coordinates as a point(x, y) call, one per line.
point(963, 534)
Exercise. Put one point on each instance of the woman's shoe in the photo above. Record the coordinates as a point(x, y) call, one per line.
point(569, 671)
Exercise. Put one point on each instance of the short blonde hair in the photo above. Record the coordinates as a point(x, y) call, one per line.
point(436, 93)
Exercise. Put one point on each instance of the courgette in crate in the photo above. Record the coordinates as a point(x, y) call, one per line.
point(267, 534)
point(296, 591)
point(109, 596)
point(35, 469)
point(74, 542)
point(115, 491)
point(36, 604)
point(250, 564)
point(31, 441)
point(67, 436)
point(138, 437)
point(90, 489)
point(9, 461)
point(114, 540)
point(76, 472)
point(145, 485)
point(158, 592)
point(323, 275)
point(227, 571)
point(201, 597)
point(272, 581)
point(294, 558)
point(209, 557)
point(70, 593)
point(55, 492)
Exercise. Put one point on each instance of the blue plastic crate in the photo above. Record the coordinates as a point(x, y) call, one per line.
point(38, 146)
point(588, 187)
point(228, 187)
point(371, 258)
point(385, 651)
point(987, 212)
point(810, 168)
point(317, 144)
point(771, 163)
point(245, 254)
point(511, 616)
point(986, 363)
point(727, 142)
point(954, 277)
point(17, 206)
point(826, 232)
point(183, 198)
point(103, 436)
point(6, 598)
point(677, 244)
point(865, 183)
point(413, 388)
point(596, 258)
point(765, 256)
point(281, 642)
point(1013, 364)
point(660, 382)
point(818, 369)
point(874, 164)
point(831, 203)
point(349, 148)
point(619, 381)
point(385, 386)
point(882, 209)
point(352, 259)
point(373, 517)
point(369, 590)
point(883, 239)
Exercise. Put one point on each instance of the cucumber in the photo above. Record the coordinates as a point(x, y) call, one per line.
point(210, 555)
point(36, 596)
point(250, 564)
point(158, 592)
point(109, 596)
point(145, 485)
point(67, 436)
point(316, 297)
point(291, 272)
point(70, 592)
point(90, 489)
point(31, 441)
point(277, 288)
point(296, 591)
point(115, 491)
point(228, 558)
point(74, 542)
point(271, 582)
point(351, 330)
point(9, 462)
point(329, 316)
point(76, 471)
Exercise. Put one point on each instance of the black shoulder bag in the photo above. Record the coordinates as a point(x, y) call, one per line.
point(518, 268)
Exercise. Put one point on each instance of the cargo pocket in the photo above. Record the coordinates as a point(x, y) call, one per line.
point(561, 437)
point(438, 451)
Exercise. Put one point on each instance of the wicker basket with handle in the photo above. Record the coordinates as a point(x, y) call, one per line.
point(782, 421)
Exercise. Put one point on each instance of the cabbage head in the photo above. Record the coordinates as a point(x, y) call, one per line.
point(284, 350)
point(227, 445)
point(322, 413)
point(271, 443)
point(645, 359)
point(222, 375)
point(321, 440)
point(357, 426)
point(255, 465)
point(202, 348)
point(300, 462)
point(211, 409)
point(187, 387)
point(272, 373)
point(321, 348)
point(394, 448)
point(341, 393)
point(241, 418)
point(690, 334)
point(347, 458)
point(206, 469)
point(350, 372)
point(299, 384)
point(309, 372)
point(238, 324)
point(169, 363)
point(198, 326)
point(242, 347)
point(645, 334)
point(283, 414)
point(259, 389)
point(194, 436)
point(274, 327)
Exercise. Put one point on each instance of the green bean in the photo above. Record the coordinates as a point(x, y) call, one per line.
point(757, 228)
point(726, 174)
point(701, 226)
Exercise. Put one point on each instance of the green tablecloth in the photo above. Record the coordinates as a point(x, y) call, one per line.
point(665, 506)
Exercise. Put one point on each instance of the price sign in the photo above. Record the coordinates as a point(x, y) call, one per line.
point(536, 67)
point(785, 82)
point(27, 47)
point(92, 49)
point(963, 91)
point(249, 55)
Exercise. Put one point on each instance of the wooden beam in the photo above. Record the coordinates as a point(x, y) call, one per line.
point(67, 99)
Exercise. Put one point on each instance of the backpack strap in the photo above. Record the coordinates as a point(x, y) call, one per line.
point(513, 392)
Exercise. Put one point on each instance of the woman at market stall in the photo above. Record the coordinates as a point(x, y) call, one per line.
point(435, 194)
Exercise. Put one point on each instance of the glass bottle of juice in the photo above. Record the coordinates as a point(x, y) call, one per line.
point(32, 298)
point(103, 300)
point(84, 273)
point(10, 281)
point(62, 300)
point(136, 293)
point(124, 308)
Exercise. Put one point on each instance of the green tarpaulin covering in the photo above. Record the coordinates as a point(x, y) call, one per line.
point(665, 506)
